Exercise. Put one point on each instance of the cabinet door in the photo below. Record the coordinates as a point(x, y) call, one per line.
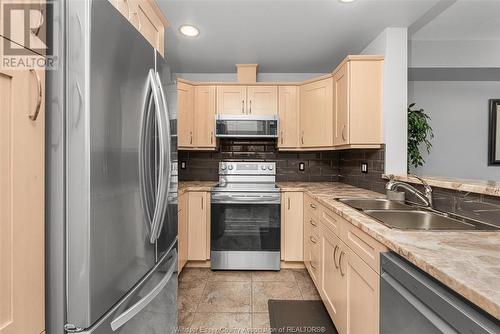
point(22, 280)
point(183, 230)
point(292, 226)
point(341, 106)
point(185, 114)
point(204, 119)
point(316, 114)
point(288, 111)
point(332, 288)
point(231, 100)
point(262, 100)
point(197, 226)
point(362, 295)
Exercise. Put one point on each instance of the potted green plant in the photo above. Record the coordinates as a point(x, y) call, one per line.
point(419, 135)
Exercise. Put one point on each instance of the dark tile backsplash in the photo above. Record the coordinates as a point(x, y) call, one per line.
point(320, 166)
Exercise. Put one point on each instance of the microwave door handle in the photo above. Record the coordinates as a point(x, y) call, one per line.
point(129, 313)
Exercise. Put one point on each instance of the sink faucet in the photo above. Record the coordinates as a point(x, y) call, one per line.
point(425, 197)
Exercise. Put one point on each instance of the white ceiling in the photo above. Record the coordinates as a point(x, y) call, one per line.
point(464, 20)
point(280, 35)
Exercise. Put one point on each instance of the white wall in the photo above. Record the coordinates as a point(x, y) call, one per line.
point(393, 44)
point(459, 118)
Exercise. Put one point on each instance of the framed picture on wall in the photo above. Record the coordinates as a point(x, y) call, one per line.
point(494, 133)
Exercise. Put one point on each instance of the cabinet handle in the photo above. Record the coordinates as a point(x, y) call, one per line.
point(312, 205)
point(312, 240)
point(190, 137)
point(281, 136)
point(34, 116)
point(37, 31)
point(211, 137)
point(202, 203)
point(340, 263)
point(335, 256)
point(312, 265)
point(242, 106)
point(343, 132)
point(250, 107)
point(288, 203)
point(302, 138)
point(312, 223)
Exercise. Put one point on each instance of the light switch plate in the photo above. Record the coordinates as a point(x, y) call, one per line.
point(302, 166)
point(183, 165)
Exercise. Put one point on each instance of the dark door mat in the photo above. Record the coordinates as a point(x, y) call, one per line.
point(299, 316)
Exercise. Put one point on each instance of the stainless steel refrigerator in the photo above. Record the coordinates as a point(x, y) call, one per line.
point(111, 178)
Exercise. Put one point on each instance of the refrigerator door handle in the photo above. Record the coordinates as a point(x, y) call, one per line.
point(129, 313)
point(166, 151)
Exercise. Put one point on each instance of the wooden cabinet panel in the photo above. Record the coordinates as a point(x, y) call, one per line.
point(316, 114)
point(292, 226)
point(231, 100)
point(332, 288)
point(204, 116)
point(363, 295)
point(185, 114)
point(364, 246)
point(198, 226)
point(341, 106)
point(262, 100)
point(147, 18)
point(182, 235)
point(22, 280)
point(288, 111)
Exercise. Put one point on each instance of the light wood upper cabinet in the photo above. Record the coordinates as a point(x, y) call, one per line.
point(198, 226)
point(231, 100)
point(182, 235)
point(316, 114)
point(357, 87)
point(288, 111)
point(22, 279)
point(292, 226)
point(185, 114)
point(247, 100)
point(204, 120)
point(262, 100)
point(147, 18)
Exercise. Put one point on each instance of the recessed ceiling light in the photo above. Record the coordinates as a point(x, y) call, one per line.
point(346, 1)
point(189, 30)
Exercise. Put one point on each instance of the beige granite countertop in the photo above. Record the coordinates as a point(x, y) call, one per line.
point(466, 262)
point(491, 188)
point(195, 186)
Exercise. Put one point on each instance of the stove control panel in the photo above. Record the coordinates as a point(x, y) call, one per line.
point(247, 168)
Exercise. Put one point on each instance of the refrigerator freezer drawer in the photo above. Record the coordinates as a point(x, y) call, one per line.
point(149, 308)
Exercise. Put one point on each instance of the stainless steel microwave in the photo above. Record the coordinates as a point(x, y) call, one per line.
point(246, 126)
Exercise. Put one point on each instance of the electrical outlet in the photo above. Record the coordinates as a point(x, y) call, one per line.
point(302, 166)
point(364, 167)
point(183, 165)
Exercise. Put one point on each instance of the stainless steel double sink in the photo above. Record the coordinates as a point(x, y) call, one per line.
point(406, 216)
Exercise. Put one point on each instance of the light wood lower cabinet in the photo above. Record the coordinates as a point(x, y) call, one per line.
point(292, 226)
point(198, 240)
point(182, 234)
point(22, 139)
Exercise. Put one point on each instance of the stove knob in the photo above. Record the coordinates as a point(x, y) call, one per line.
point(270, 167)
point(263, 167)
point(223, 167)
point(230, 167)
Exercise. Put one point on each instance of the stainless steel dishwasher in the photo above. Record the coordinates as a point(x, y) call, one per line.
point(411, 302)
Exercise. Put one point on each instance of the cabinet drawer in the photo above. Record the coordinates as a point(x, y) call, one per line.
point(367, 248)
point(334, 222)
point(311, 206)
point(314, 263)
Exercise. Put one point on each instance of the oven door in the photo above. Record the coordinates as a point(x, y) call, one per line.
point(245, 225)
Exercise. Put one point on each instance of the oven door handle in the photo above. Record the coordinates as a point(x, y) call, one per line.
point(269, 199)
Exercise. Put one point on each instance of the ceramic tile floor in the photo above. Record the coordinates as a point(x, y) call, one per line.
point(236, 301)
